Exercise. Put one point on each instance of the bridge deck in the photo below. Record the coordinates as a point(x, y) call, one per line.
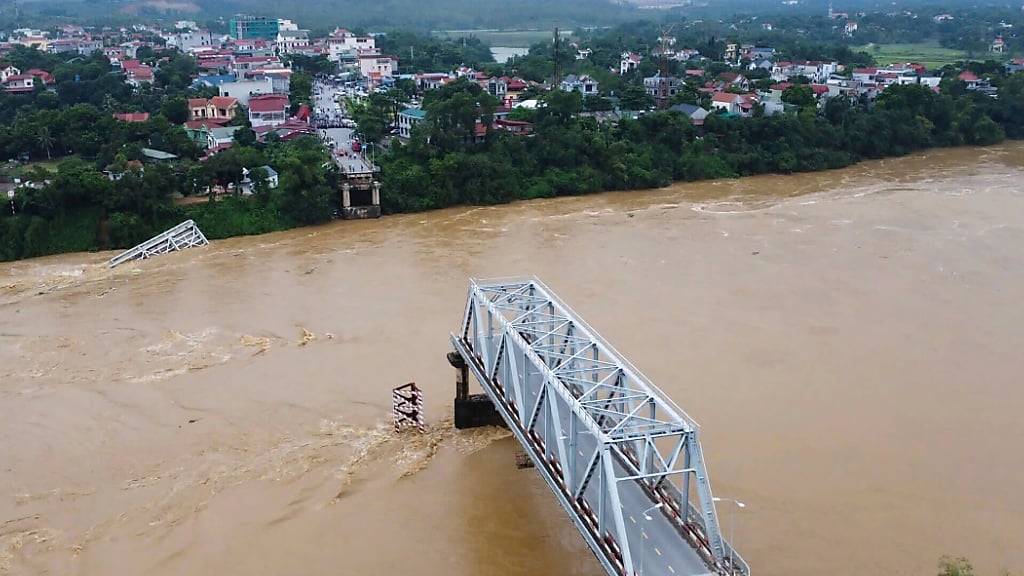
point(619, 454)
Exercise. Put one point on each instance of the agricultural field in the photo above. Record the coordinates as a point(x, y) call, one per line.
point(928, 53)
point(510, 38)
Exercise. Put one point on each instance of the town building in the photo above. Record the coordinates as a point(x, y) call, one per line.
point(583, 84)
point(19, 83)
point(291, 41)
point(432, 80)
point(220, 136)
point(9, 71)
point(245, 90)
point(137, 73)
point(268, 110)
point(221, 108)
point(246, 27)
point(739, 104)
point(408, 119)
point(377, 66)
point(629, 62)
point(132, 117)
point(342, 44)
point(662, 88)
point(695, 113)
point(190, 40)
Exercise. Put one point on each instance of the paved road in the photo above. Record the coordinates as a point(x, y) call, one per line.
point(655, 545)
point(324, 105)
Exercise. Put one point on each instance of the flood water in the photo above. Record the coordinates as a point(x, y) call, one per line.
point(850, 341)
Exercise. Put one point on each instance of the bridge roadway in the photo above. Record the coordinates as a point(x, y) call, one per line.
point(613, 449)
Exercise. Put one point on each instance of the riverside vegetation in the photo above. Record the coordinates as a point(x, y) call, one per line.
point(570, 153)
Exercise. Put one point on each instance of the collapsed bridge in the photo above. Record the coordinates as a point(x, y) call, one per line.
point(622, 459)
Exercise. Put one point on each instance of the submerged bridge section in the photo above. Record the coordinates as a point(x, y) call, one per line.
point(622, 459)
point(184, 235)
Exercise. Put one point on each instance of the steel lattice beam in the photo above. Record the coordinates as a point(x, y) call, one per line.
point(609, 443)
point(184, 235)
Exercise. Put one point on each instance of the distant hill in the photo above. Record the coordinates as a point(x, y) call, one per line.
point(369, 14)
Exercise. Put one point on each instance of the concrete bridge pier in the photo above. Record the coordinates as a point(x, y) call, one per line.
point(471, 410)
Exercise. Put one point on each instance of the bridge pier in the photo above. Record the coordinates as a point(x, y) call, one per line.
point(471, 410)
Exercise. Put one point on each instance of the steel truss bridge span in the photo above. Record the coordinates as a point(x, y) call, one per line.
point(622, 459)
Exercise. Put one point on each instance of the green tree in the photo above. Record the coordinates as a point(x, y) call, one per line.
point(45, 140)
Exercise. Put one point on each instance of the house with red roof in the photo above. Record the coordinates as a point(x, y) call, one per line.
point(630, 61)
point(132, 117)
point(969, 78)
point(290, 129)
point(268, 110)
point(19, 83)
point(44, 77)
point(137, 73)
point(727, 80)
point(740, 104)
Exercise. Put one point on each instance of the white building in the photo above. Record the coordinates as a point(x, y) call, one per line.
point(583, 84)
point(409, 118)
point(7, 72)
point(376, 66)
point(343, 43)
point(630, 61)
point(190, 40)
point(292, 40)
point(244, 90)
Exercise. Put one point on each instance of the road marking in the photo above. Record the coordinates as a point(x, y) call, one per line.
point(633, 519)
point(658, 551)
point(644, 534)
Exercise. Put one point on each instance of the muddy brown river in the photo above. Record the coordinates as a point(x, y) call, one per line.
point(850, 341)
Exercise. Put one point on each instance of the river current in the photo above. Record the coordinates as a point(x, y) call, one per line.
point(850, 341)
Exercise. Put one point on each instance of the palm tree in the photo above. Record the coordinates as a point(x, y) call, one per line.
point(45, 140)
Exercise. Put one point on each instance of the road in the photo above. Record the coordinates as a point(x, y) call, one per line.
point(656, 547)
point(324, 105)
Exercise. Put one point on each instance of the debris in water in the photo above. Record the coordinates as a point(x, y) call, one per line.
point(307, 337)
point(261, 343)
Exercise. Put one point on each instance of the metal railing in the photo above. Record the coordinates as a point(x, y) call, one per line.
point(184, 235)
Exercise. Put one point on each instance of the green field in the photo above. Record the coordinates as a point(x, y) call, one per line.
point(928, 53)
point(510, 38)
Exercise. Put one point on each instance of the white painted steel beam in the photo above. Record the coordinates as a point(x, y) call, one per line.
point(184, 235)
point(607, 441)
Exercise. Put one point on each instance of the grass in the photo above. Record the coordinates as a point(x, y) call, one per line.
point(16, 170)
point(928, 53)
point(510, 38)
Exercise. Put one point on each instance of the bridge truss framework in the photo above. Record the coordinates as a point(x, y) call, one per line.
point(610, 445)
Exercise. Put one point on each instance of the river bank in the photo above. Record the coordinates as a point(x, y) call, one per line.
point(848, 340)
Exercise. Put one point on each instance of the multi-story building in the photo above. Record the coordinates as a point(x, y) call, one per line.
point(190, 40)
point(409, 118)
point(268, 110)
point(245, 90)
point(662, 88)
point(244, 27)
point(583, 84)
point(221, 108)
point(630, 61)
point(377, 65)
